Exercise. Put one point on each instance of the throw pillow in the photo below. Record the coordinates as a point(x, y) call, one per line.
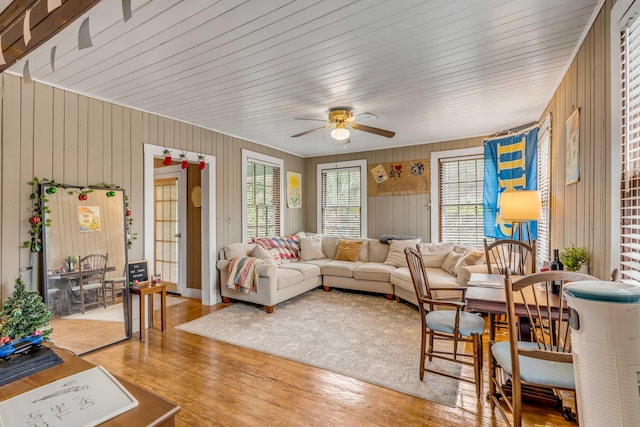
point(433, 254)
point(348, 250)
point(311, 248)
point(396, 256)
point(450, 261)
point(270, 256)
point(287, 246)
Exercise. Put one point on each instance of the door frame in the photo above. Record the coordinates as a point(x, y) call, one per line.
point(176, 171)
point(208, 293)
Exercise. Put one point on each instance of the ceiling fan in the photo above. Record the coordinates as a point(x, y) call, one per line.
point(341, 120)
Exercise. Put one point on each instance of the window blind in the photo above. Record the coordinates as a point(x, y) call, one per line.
point(341, 209)
point(544, 188)
point(263, 199)
point(461, 212)
point(630, 153)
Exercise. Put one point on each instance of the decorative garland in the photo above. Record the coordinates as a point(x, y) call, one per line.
point(40, 208)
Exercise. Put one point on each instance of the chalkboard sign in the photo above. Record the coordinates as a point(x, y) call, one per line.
point(138, 271)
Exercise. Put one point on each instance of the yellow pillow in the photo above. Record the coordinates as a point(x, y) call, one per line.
point(348, 250)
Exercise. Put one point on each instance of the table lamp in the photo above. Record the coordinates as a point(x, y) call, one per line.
point(519, 207)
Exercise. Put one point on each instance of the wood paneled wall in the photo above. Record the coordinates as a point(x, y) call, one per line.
point(581, 212)
point(49, 132)
point(76, 140)
point(402, 214)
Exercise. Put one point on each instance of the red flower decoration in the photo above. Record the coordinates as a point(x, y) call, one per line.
point(398, 167)
point(5, 340)
point(34, 220)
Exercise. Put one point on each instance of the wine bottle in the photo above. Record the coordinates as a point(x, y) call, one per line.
point(556, 264)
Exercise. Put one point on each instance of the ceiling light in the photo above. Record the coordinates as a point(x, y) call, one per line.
point(340, 133)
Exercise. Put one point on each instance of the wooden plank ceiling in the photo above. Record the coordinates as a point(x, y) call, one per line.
point(430, 70)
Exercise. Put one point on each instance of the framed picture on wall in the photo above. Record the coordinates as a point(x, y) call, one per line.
point(572, 152)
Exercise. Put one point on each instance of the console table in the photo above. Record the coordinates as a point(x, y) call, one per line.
point(152, 410)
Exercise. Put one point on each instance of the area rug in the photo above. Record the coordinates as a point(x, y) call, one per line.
point(115, 313)
point(365, 337)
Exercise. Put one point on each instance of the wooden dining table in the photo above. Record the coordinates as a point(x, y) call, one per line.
point(486, 294)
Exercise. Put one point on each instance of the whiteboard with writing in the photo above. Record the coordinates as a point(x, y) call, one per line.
point(87, 398)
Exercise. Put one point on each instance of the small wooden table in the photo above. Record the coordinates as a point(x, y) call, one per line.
point(152, 410)
point(142, 291)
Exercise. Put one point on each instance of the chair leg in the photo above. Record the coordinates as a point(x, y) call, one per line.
point(492, 376)
point(477, 363)
point(82, 300)
point(423, 347)
point(104, 296)
point(430, 347)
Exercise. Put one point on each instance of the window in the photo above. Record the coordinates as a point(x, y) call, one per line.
point(457, 179)
point(543, 242)
point(261, 195)
point(342, 196)
point(630, 150)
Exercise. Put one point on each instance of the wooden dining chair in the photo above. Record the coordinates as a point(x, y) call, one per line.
point(449, 323)
point(518, 256)
point(113, 284)
point(91, 278)
point(543, 360)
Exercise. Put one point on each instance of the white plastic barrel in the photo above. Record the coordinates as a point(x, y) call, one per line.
point(605, 334)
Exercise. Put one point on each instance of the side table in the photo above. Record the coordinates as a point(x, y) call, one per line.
point(142, 291)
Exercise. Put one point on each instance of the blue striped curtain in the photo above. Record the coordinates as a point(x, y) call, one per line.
point(509, 163)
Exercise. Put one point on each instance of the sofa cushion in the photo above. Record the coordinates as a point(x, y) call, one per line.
point(433, 254)
point(330, 246)
point(378, 251)
point(374, 271)
point(348, 250)
point(307, 270)
point(311, 248)
point(396, 256)
point(450, 262)
point(437, 279)
point(287, 277)
point(340, 268)
point(271, 256)
point(318, 262)
point(234, 250)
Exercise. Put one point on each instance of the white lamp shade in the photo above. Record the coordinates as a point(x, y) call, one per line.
point(340, 133)
point(520, 205)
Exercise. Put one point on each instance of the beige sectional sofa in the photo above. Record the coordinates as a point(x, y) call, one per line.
point(379, 268)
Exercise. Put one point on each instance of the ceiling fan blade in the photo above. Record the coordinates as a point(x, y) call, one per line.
point(362, 116)
point(370, 129)
point(307, 131)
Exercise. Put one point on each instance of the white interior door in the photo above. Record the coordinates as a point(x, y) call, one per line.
point(170, 226)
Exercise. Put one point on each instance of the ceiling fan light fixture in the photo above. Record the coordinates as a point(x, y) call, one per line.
point(340, 133)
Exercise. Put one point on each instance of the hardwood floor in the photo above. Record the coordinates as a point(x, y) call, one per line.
point(220, 384)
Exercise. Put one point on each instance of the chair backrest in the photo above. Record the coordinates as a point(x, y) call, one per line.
point(518, 256)
point(92, 267)
point(531, 298)
point(418, 275)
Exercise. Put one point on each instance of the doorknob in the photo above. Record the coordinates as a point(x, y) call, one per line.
point(178, 235)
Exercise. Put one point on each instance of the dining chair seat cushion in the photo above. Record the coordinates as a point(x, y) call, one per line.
point(87, 286)
point(535, 371)
point(445, 320)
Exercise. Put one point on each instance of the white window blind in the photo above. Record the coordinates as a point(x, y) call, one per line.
point(341, 202)
point(630, 153)
point(461, 212)
point(263, 199)
point(544, 187)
